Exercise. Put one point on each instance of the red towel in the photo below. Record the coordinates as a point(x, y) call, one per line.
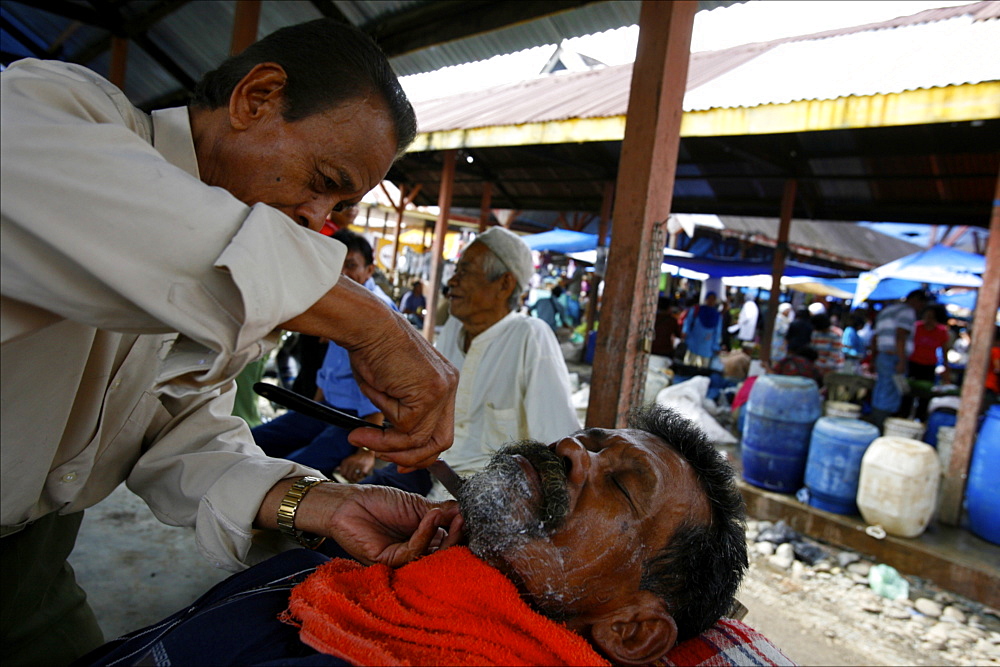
point(449, 608)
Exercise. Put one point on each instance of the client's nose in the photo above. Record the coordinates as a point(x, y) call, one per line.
point(578, 457)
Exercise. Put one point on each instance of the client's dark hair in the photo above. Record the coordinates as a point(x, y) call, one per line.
point(355, 243)
point(698, 573)
point(328, 63)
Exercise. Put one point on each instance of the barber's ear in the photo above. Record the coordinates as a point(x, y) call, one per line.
point(639, 632)
point(261, 91)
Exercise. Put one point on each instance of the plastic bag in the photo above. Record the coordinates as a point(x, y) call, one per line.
point(887, 582)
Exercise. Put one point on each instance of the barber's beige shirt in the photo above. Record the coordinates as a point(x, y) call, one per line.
point(110, 246)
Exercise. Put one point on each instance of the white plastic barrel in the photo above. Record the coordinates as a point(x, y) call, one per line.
point(898, 483)
point(903, 428)
point(841, 409)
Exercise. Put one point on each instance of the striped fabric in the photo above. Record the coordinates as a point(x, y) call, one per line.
point(728, 642)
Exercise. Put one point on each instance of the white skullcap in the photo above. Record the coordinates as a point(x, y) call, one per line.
point(511, 251)
point(817, 308)
point(782, 307)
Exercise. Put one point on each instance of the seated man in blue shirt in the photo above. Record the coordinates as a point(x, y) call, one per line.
point(314, 443)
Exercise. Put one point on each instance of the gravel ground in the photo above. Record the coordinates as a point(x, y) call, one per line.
point(827, 614)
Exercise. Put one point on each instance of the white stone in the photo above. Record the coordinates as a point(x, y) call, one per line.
point(940, 632)
point(845, 558)
point(861, 567)
point(780, 563)
point(785, 550)
point(927, 607)
point(953, 613)
point(764, 548)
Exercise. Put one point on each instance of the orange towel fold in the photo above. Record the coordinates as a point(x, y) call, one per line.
point(449, 608)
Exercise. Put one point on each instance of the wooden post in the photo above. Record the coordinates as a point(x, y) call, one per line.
point(983, 323)
point(400, 209)
point(245, 24)
point(484, 206)
point(119, 57)
point(778, 268)
point(602, 241)
point(642, 204)
point(437, 245)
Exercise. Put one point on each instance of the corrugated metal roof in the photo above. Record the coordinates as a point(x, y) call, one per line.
point(929, 49)
point(851, 245)
point(196, 35)
point(928, 55)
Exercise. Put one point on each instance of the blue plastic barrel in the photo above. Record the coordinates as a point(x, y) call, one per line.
point(780, 414)
point(982, 494)
point(937, 419)
point(834, 462)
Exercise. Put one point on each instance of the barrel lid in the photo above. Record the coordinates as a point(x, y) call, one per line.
point(848, 424)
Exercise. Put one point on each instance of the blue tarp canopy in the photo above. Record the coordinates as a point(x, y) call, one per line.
point(561, 240)
point(887, 290)
point(728, 268)
point(939, 265)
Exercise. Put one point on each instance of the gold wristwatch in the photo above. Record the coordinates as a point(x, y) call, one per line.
point(290, 505)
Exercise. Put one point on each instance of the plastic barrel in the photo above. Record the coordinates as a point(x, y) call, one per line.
point(898, 484)
point(937, 419)
point(841, 409)
point(903, 428)
point(982, 495)
point(780, 414)
point(834, 462)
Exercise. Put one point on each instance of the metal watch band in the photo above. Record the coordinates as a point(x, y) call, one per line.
point(290, 505)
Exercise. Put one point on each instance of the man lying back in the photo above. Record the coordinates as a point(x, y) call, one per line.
point(605, 545)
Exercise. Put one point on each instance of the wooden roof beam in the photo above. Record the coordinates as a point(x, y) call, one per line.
point(439, 22)
point(330, 11)
point(137, 26)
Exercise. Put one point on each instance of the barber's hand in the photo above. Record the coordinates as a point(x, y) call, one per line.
point(357, 466)
point(414, 386)
point(410, 382)
point(375, 524)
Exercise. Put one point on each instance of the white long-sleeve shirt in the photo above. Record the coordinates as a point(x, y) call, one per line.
point(132, 293)
point(512, 385)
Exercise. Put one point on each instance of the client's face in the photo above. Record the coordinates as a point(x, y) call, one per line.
point(573, 522)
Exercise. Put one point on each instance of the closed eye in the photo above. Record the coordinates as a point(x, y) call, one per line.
point(624, 491)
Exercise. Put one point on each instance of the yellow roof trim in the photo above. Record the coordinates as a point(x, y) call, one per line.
point(966, 102)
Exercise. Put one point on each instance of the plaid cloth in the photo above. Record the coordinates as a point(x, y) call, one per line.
point(726, 643)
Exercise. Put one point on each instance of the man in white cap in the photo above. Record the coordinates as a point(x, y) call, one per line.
point(513, 383)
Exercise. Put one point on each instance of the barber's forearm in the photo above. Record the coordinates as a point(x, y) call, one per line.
point(312, 512)
point(347, 314)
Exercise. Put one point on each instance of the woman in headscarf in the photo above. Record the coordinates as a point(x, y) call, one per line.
point(703, 332)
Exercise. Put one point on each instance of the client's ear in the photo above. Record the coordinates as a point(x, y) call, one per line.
point(638, 632)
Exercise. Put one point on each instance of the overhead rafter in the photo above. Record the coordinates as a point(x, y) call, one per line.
point(24, 40)
point(329, 10)
point(137, 26)
point(435, 23)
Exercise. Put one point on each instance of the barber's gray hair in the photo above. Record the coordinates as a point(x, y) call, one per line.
point(494, 269)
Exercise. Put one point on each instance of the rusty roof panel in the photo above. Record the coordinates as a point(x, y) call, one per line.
point(932, 48)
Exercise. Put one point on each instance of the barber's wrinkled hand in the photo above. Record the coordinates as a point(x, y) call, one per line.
point(375, 524)
point(410, 382)
point(401, 374)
